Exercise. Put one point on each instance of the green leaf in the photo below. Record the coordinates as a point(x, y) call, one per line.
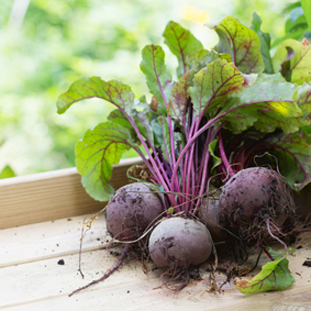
point(177, 105)
point(295, 13)
point(294, 157)
point(211, 147)
point(113, 91)
point(306, 6)
point(242, 43)
point(116, 116)
point(101, 148)
point(144, 122)
point(303, 99)
point(200, 58)
point(297, 35)
point(167, 146)
point(212, 84)
point(268, 94)
point(289, 7)
point(158, 78)
point(265, 43)
point(289, 116)
point(274, 275)
point(281, 115)
point(171, 211)
point(181, 42)
point(293, 60)
point(296, 22)
point(7, 172)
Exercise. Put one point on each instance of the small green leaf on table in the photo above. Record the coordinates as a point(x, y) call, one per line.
point(274, 275)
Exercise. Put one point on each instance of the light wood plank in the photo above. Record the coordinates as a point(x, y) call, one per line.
point(52, 195)
point(45, 240)
point(45, 285)
point(39, 283)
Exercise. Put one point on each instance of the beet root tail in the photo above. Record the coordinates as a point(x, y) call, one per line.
point(115, 267)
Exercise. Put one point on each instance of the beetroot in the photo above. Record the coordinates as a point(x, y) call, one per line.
point(178, 242)
point(209, 215)
point(256, 202)
point(131, 210)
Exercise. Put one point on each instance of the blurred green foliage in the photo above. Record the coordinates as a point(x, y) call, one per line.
point(7, 172)
point(57, 42)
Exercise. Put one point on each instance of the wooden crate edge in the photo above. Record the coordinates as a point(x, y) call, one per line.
point(51, 195)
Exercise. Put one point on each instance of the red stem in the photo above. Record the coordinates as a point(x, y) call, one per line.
point(223, 156)
point(266, 252)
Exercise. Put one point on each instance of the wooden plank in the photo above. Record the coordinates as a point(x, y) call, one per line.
point(52, 195)
point(45, 285)
point(42, 284)
point(40, 241)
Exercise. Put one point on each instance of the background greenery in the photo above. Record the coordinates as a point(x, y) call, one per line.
point(46, 45)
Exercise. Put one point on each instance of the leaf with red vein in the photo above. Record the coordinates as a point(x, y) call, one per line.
point(113, 91)
point(213, 83)
point(298, 69)
point(274, 275)
point(101, 148)
point(294, 157)
point(181, 42)
point(268, 95)
point(158, 78)
point(179, 97)
point(241, 43)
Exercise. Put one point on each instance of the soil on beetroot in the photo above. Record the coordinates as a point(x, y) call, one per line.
point(127, 216)
point(273, 209)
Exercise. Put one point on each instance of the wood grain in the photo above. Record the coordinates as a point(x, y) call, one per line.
point(33, 279)
point(52, 195)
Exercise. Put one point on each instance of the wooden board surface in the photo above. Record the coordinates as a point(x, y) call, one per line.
point(51, 195)
point(32, 279)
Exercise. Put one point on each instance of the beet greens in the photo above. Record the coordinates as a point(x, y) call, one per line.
point(229, 104)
